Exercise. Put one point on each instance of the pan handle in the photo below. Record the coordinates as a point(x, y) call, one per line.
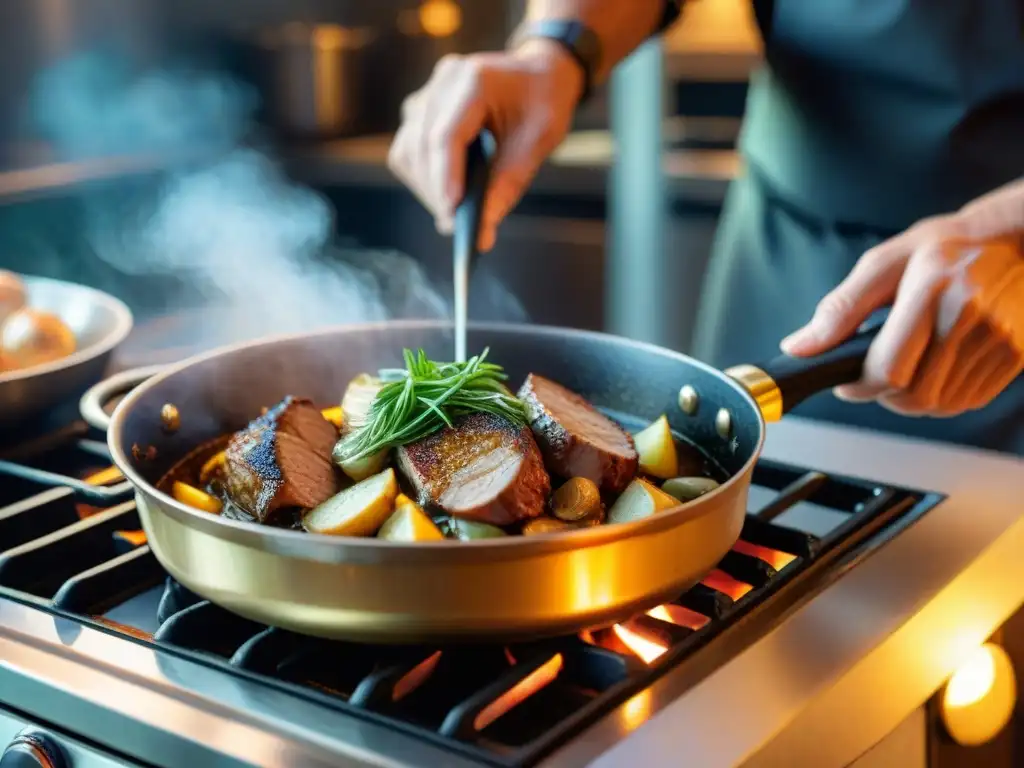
point(96, 397)
point(781, 384)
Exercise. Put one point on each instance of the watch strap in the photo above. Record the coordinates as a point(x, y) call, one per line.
point(575, 37)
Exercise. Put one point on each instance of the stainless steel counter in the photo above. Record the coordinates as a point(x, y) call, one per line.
point(906, 615)
point(579, 167)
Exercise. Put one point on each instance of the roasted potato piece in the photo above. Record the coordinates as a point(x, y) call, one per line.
point(210, 467)
point(335, 415)
point(12, 294)
point(409, 523)
point(657, 449)
point(639, 500)
point(356, 511)
point(29, 337)
point(358, 398)
point(360, 469)
point(471, 530)
point(576, 499)
point(541, 525)
point(195, 498)
point(689, 488)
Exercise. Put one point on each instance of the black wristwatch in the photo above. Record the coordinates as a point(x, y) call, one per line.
point(581, 42)
point(578, 39)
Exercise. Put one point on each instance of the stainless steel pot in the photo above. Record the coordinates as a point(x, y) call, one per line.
point(312, 76)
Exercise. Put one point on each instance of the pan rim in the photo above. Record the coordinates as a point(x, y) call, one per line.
point(331, 548)
point(118, 332)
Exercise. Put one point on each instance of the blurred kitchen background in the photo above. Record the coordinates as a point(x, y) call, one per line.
point(113, 112)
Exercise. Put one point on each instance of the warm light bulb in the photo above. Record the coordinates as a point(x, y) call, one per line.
point(440, 18)
point(978, 700)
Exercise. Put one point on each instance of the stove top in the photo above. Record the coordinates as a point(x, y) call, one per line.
point(494, 705)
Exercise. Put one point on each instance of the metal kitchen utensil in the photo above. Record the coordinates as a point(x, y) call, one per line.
point(508, 588)
point(99, 322)
point(468, 217)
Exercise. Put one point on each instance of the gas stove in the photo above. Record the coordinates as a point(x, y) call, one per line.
point(141, 668)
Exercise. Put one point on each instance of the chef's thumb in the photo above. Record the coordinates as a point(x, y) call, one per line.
point(871, 284)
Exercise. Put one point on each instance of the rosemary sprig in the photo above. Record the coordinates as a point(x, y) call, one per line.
point(426, 397)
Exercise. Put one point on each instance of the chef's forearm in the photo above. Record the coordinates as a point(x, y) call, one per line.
point(621, 25)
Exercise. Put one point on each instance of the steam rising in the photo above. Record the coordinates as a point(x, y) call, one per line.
point(258, 249)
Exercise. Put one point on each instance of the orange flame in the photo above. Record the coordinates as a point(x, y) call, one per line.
point(678, 615)
point(135, 538)
point(104, 476)
point(775, 558)
point(520, 692)
point(415, 677)
point(725, 583)
point(648, 650)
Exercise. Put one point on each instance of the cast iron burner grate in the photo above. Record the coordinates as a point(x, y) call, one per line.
point(504, 706)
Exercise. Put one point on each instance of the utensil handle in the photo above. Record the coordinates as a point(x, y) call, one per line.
point(96, 397)
point(469, 213)
point(466, 235)
point(781, 384)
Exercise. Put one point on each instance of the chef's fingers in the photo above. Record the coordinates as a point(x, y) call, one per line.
point(401, 155)
point(411, 155)
point(995, 373)
point(894, 355)
point(870, 285)
point(460, 116)
point(517, 162)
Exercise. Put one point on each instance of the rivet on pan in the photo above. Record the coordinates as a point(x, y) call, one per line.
point(170, 418)
point(723, 422)
point(689, 400)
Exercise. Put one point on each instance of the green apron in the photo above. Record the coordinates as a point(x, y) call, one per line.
point(869, 115)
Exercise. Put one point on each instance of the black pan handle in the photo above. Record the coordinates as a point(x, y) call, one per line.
point(781, 384)
point(92, 404)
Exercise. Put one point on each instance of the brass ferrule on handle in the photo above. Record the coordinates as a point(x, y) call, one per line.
point(762, 387)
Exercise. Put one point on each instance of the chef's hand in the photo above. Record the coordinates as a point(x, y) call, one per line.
point(954, 338)
point(526, 98)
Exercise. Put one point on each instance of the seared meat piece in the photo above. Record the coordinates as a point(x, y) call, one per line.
point(484, 468)
point(281, 460)
point(576, 439)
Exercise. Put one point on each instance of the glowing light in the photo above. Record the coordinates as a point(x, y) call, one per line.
point(648, 650)
point(415, 677)
point(979, 698)
point(678, 615)
point(135, 538)
point(726, 584)
point(520, 692)
point(104, 476)
point(637, 710)
point(440, 18)
point(973, 680)
point(774, 557)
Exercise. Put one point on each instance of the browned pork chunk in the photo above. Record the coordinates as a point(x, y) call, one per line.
point(576, 439)
point(282, 460)
point(484, 468)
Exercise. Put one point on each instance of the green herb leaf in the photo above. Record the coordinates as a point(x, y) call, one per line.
point(426, 397)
